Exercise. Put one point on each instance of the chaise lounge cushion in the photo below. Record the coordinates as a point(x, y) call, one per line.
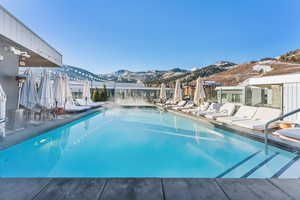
point(260, 118)
point(289, 132)
point(213, 108)
point(225, 110)
point(243, 113)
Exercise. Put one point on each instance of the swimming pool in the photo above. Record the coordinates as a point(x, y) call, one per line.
point(143, 142)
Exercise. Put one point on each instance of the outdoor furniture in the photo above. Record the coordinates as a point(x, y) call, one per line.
point(243, 113)
point(180, 104)
point(74, 108)
point(82, 102)
point(188, 105)
point(225, 110)
point(260, 119)
point(213, 108)
point(289, 133)
point(202, 107)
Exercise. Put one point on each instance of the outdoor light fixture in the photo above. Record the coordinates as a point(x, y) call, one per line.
point(1, 58)
point(25, 54)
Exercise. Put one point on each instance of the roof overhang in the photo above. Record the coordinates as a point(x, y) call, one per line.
point(280, 79)
point(13, 33)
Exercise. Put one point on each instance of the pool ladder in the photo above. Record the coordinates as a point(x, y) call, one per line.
point(266, 131)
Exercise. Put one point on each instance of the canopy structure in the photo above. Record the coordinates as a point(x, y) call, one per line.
point(59, 92)
point(162, 94)
point(29, 96)
point(177, 92)
point(199, 95)
point(45, 92)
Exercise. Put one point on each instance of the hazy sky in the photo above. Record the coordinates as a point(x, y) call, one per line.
point(104, 36)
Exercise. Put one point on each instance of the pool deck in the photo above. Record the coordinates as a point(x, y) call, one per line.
point(288, 145)
point(148, 189)
point(42, 127)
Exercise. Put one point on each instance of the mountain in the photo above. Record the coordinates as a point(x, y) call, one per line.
point(187, 76)
point(142, 76)
point(285, 64)
point(229, 74)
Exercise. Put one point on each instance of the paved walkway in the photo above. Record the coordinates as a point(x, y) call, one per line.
point(148, 189)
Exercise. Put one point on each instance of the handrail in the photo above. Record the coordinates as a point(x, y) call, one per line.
point(266, 131)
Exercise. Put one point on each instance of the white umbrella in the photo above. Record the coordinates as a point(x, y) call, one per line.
point(2, 103)
point(68, 93)
point(178, 92)
point(162, 94)
point(59, 92)
point(29, 96)
point(45, 92)
point(86, 92)
point(199, 91)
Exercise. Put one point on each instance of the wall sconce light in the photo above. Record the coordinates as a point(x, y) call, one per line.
point(1, 58)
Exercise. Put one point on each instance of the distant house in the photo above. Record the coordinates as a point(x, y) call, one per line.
point(209, 87)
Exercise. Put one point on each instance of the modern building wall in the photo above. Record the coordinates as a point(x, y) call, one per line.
point(8, 73)
point(291, 100)
point(14, 30)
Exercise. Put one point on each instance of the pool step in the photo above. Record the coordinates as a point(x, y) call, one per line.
point(291, 169)
point(245, 167)
point(258, 165)
point(272, 167)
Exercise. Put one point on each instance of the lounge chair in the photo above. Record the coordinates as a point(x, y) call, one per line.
point(179, 104)
point(74, 108)
point(81, 102)
point(225, 110)
point(202, 107)
point(289, 133)
point(260, 118)
point(243, 113)
point(188, 105)
point(168, 102)
point(213, 108)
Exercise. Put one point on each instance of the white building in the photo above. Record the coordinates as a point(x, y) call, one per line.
point(284, 91)
point(21, 47)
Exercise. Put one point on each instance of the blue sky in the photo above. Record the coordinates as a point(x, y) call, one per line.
point(104, 36)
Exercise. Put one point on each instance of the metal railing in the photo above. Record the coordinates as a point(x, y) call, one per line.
point(266, 131)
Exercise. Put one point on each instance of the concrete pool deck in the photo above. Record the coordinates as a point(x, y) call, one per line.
point(288, 145)
point(148, 189)
point(35, 130)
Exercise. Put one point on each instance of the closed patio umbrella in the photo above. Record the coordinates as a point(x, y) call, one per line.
point(68, 92)
point(199, 92)
point(59, 92)
point(86, 92)
point(45, 92)
point(162, 94)
point(29, 96)
point(2, 103)
point(178, 92)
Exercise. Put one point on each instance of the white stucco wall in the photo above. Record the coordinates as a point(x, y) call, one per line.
point(8, 72)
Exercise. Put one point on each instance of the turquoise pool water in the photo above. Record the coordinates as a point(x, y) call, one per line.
point(140, 142)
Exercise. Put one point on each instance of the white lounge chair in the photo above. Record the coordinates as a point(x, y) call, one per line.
point(188, 105)
point(243, 113)
point(213, 108)
point(179, 104)
point(225, 110)
point(287, 133)
point(81, 102)
point(260, 118)
point(202, 107)
point(74, 108)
